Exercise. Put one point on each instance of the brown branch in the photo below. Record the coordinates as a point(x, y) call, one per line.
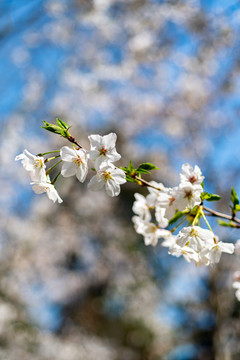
point(73, 140)
point(146, 183)
point(221, 215)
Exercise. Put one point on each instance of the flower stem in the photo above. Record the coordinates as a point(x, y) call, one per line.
point(197, 216)
point(55, 179)
point(51, 158)
point(202, 212)
point(48, 152)
point(50, 169)
point(181, 222)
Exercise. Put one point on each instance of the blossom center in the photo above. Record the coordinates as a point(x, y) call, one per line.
point(78, 161)
point(171, 200)
point(39, 163)
point(192, 179)
point(193, 232)
point(106, 175)
point(188, 194)
point(103, 151)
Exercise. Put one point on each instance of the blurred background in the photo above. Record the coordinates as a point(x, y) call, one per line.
point(76, 281)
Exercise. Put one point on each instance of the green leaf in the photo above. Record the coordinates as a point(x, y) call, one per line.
point(131, 167)
point(224, 223)
point(146, 167)
point(177, 216)
point(210, 197)
point(60, 130)
point(52, 128)
point(125, 169)
point(142, 171)
point(234, 197)
point(237, 207)
point(62, 124)
point(129, 178)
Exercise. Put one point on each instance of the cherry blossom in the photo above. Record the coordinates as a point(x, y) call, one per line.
point(215, 251)
point(195, 237)
point(189, 195)
point(110, 177)
point(48, 188)
point(190, 175)
point(74, 163)
point(34, 164)
point(103, 148)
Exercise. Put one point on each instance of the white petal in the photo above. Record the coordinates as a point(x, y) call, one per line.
point(82, 173)
point(39, 188)
point(119, 176)
point(95, 183)
point(68, 169)
point(113, 155)
point(226, 247)
point(93, 154)
point(67, 154)
point(39, 175)
point(112, 188)
point(100, 162)
point(95, 142)
point(109, 140)
point(53, 194)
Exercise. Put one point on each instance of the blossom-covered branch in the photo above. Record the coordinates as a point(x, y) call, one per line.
point(159, 214)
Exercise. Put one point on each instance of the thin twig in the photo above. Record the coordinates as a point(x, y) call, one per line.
point(73, 140)
point(146, 183)
point(221, 215)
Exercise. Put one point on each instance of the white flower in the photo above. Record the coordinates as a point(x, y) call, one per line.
point(169, 240)
point(139, 224)
point(155, 192)
point(34, 164)
point(189, 195)
point(48, 188)
point(168, 199)
point(110, 176)
point(152, 233)
point(215, 251)
point(141, 207)
point(190, 175)
point(195, 237)
point(188, 253)
point(103, 148)
point(74, 163)
point(160, 217)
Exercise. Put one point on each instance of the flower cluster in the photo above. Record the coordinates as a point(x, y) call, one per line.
point(75, 162)
point(155, 212)
point(40, 179)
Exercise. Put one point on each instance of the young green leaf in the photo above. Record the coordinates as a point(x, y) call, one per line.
point(52, 128)
point(237, 207)
point(177, 216)
point(62, 124)
point(131, 167)
point(210, 197)
point(146, 166)
point(130, 178)
point(142, 171)
point(234, 197)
